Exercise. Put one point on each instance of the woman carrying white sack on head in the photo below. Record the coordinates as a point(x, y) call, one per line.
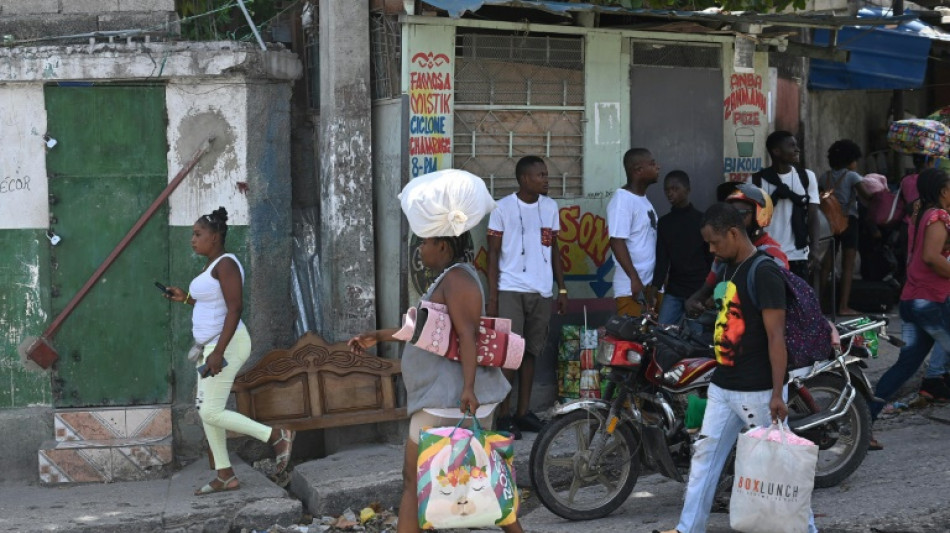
point(441, 208)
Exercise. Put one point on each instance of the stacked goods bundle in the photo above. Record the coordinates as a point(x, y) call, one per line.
point(569, 363)
point(578, 374)
point(919, 136)
point(590, 376)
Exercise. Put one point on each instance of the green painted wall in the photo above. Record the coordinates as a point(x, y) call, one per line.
point(24, 308)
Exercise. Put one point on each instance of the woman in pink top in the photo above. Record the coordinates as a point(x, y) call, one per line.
point(924, 309)
point(909, 184)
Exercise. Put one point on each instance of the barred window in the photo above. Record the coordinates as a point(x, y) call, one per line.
point(386, 42)
point(518, 95)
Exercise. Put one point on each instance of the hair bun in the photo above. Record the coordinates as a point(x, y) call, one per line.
point(220, 214)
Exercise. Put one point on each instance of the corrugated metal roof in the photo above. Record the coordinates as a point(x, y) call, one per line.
point(457, 8)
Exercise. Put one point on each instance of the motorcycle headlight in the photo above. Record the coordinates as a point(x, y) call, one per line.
point(634, 357)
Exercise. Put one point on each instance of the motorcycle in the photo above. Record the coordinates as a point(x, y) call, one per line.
point(586, 461)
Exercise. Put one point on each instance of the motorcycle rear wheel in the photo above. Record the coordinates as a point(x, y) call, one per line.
point(562, 478)
point(843, 443)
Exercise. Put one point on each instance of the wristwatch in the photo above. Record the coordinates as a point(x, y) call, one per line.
point(562, 291)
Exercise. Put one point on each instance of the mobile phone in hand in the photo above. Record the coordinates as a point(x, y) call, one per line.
point(163, 288)
point(203, 369)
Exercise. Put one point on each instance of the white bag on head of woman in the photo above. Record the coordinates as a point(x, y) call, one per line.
point(445, 203)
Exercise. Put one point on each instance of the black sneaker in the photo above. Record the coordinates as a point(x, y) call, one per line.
point(935, 390)
point(529, 422)
point(507, 423)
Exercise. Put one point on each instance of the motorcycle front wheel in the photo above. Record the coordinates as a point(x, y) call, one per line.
point(842, 443)
point(562, 474)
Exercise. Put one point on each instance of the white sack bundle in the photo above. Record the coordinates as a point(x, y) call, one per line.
point(445, 203)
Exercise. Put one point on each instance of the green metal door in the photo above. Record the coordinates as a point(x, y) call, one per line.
point(106, 169)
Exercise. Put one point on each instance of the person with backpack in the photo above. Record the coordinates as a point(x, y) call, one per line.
point(846, 186)
point(794, 193)
point(924, 306)
point(749, 387)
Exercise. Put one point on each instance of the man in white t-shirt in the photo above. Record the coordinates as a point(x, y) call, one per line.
point(795, 216)
point(523, 264)
point(631, 222)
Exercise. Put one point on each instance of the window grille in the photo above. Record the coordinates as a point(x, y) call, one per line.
point(312, 72)
point(488, 143)
point(519, 95)
point(662, 54)
point(386, 42)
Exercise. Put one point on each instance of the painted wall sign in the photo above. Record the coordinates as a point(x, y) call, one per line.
point(745, 113)
point(584, 251)
point(430, 112)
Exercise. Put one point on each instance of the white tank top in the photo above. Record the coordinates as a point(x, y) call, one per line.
point(207, 319)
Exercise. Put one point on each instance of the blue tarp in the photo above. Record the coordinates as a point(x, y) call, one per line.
point(881, 58)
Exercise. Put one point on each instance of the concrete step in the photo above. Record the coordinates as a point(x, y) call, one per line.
point(367, 474)
point(105, 461)
point(106, 423)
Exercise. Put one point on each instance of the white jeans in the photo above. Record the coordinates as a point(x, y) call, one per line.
point(727, 413)
point(213, 394)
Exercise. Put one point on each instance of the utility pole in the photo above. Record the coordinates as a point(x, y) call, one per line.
point(347, 240)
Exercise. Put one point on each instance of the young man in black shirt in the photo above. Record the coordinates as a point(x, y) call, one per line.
point(682, 258)
point(749, 385)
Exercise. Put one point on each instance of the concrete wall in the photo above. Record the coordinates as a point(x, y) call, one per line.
point(857, 115)
point(228, 90)
point(10, 8)
point(270, 240)
point(42, 19)
point(607, 99)
point(24, 267)
point(389, 171)
point(345, 136)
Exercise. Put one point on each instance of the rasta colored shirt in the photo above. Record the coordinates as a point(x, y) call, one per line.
point(741, 342)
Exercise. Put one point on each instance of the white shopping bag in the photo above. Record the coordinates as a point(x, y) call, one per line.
point(775, 475)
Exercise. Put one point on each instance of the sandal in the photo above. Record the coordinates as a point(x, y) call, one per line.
point(874, 445)
point(225, 486)
point(283, 459)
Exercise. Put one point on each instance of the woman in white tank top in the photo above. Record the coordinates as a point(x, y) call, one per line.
point(217, 294)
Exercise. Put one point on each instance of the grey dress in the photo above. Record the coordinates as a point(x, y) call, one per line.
point(436, 382)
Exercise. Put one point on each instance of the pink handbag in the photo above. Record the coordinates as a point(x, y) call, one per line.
point(429, 327)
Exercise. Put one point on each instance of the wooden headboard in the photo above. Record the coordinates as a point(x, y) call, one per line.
point(315, 385)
